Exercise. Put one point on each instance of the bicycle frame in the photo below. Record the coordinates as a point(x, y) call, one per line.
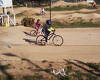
point(51, 35)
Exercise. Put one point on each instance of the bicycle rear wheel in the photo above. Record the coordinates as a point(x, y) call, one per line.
point(33, 33)
point(40, 40)
point(57, 40)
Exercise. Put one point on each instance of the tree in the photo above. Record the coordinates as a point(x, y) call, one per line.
point(15, 2)
point(41, 1)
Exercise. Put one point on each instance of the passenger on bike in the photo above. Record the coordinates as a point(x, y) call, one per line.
point(47, 29)
point(37, 25)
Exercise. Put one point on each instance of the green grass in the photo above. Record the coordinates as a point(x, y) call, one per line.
point(75, 25)
point(4, 67)
point(69, 69)
point(90, 77)
point(32, 78)
point(70, 8)
point(94, 65)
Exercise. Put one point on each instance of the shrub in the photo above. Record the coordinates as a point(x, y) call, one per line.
point(27, 21)
point(94, 65)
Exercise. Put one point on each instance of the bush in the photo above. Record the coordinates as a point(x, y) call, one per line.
point(27, 21)
point(94, 65)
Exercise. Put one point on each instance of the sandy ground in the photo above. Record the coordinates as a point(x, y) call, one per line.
point(79, 43)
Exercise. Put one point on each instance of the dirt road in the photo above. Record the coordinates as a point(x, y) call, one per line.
point(79, 43)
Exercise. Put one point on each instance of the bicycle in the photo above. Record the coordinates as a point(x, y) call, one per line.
point(57, 40)
point(35, 33)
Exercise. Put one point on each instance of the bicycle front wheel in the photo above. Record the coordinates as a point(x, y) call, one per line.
point(57, 40)
point(33, 33)
point(40, 40)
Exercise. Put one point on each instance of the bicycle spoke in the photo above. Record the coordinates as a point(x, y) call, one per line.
point(57, 40)
point(40, 40)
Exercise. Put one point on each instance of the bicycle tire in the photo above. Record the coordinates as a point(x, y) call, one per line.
point(57, 38)
point(40, 40)
point(33, 33)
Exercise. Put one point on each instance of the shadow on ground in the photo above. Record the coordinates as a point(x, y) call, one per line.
point(27, 33)
point(83, 67)
point(29, 41)
point(38, 68)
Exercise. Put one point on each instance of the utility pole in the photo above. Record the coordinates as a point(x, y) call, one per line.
point(3, 10)
point(50, 8)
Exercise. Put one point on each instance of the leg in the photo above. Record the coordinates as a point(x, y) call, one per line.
point(46, 36)
point(36, 30)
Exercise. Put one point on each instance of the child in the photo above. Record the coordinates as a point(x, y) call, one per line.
point(37, 25)
point(94, 4)
point(42, 12)
point(47, 29)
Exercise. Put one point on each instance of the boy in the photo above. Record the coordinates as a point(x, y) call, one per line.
point(47, 29)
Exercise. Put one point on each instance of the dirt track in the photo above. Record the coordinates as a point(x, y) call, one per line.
point(79, 43)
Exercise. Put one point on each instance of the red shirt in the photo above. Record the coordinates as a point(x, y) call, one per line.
point(37, 25)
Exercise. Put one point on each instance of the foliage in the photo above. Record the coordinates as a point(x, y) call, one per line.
point(97, 1)
point(29, 2)
point(28, 22)
point(94, 65)
point(35, 77)
point(68, 69)
point(4, 67)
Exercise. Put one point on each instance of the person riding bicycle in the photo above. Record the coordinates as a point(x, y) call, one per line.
point(42, 11)
point(47, 29)
point(93, 3)
point(37, 25)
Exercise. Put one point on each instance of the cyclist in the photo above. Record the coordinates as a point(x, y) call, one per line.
point(47, 29)
point(37, 25)
point(94, 4)
point(42, 12)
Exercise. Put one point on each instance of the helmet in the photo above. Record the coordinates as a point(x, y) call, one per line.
point(48, 22)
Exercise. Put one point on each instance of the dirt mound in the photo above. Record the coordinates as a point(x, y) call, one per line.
point(31, 12)
point(60, 3)
point(78, 17)
point(87, 16)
